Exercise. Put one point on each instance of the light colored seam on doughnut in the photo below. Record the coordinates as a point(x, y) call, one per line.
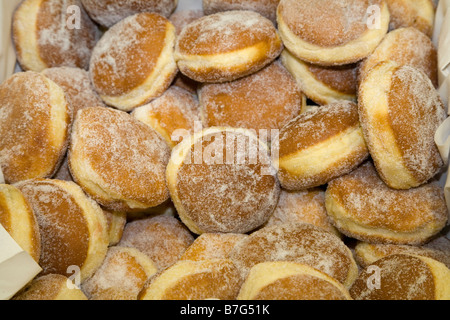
point(349, 52)
point(440, 272)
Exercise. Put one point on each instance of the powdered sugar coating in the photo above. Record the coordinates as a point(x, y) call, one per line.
point(266, 8)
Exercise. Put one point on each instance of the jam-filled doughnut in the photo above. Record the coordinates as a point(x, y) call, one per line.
point(50, 33)
point(118, 160)
point(418, 14)
point(222, 180)
point(34, 126)
point(400, 111)
point(226, 46)
point(320, 145)
point(133, 61)
point(283, 280)
point(332, 32)
point(362, 206)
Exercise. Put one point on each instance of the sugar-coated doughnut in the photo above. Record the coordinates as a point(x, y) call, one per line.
point(34, 126)
point(297, 242)
point(195, 280)
point(176, 109)
point(162, 238)
point(18, 219)
point(332, 32)
point(50, 287)
point(266, 8)
point(319, 146)
point(405, 46)
point(403, 277)
point(226, 46)
point(116, 222)
point(182, 18)
point(265, 100)
point(362, 206)
point(212, 246)
point(109, 12)
point(72, 226)
point(121, 276)
point(400, 111)
point(323, 85)
point(118, 160)
point(282, 280)
point(418, 14)
point(133, 61)
point(222, 180)
point(53, 33)
point(302, 206)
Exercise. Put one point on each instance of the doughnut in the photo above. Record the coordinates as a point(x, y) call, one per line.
point(405, 46)
point(282, 280)
point(331, 33)
point(34, 126)
point(51, 33)
point(400, 111)
point(176, 109)
point(362, 206)
point(302, 206)
point(222, 180)
point(50, 287)
point(133, 61)
point(297, 242)
point(212, 246)
point(119, 161)
point(18, 219)
point(320, 145)
point(195, 280)
point(323, 85)
point(367, 253)
point(121, 276)
point(266, 8)
point(116, 222)
point(418, 14)
point(441, 243)
point(109, 12)
point(226, 46)
point(265, 100)
point(72, 227)
point(182, 18)
point(162, 238)
point(403, 277)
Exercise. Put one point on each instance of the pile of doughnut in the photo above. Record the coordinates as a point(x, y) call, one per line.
point(127, 139)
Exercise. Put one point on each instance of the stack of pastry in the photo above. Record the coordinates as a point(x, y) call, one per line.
point(253, 150)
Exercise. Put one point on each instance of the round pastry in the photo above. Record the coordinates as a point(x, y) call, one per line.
point(368, 253)
point(53, 33)
point(362, 206)
point(222, 180)
point(226, 46)
point(212, 246)
point(177, 109)
point(297, 242)
point(441, 243)
point(403, 277)
point(320, 145)
point(264, 101)
point(109, 12)
point(116, 222)
point(133, 61)
point(18, 219)
point(323, 85)
point(405, 46)
point(302, 206)
point(418, 14)
point(400, 111)
point(72, 226)
point(332, 32)
point(34, 126)
point(162, 238)
point(50, 287)
point(118, 160)
point(122, 275)
point(280, 280)
point(195, 280)
point(266, 8)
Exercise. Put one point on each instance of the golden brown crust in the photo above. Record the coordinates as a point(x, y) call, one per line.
point(267, 8)
point(340, 78)
point(418, 14)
